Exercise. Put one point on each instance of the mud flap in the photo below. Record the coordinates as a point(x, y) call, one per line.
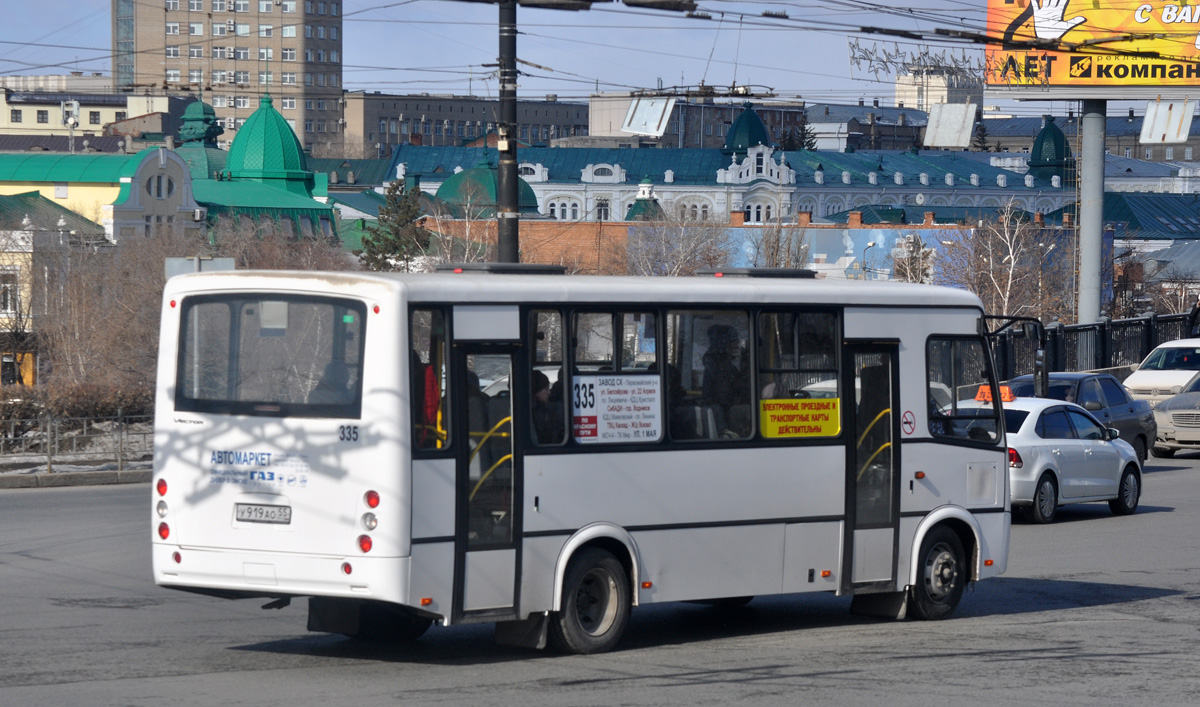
point(530, 633)
point(333, 615)
point(888, 605)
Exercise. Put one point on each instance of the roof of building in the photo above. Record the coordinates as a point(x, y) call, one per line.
point(366, 172)
point(472, 192)
point(839, 113)
point(1141, 216)
point(1114, 126)
point(748, 130)
point(367, 201)
point(1179, 258)
point(43, 214)
point(84, 144)
point(873, 214)
point(250, 197)
point(86, 99)
point(266, 147)
point(1051, 153)
point(57, 167)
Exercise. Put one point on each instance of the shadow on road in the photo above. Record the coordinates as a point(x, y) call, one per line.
point(680, 623)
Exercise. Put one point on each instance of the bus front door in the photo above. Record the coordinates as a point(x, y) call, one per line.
point(873, 459)
point(487, 521)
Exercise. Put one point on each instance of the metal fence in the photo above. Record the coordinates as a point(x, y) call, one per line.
point(59, 440)
point(1088, 347)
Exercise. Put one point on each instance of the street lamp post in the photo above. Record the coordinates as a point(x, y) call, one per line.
point(870, 245)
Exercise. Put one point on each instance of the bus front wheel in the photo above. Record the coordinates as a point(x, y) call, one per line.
point(595, 605)
point(940, 577)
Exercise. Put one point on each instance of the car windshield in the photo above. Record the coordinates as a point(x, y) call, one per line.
point(1059, 390)
point(1013, 419)
point(1172, 359)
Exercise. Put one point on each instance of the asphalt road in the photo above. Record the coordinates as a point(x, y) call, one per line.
point(1094, 610)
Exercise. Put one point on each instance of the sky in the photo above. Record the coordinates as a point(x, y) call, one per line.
point(450, 47)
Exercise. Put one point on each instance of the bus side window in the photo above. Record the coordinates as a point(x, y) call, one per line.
point(547, 405)
point(708, 374)
point(427, 376)
point(798, 358)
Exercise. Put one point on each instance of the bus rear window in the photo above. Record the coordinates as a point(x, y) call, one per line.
point(274, 355)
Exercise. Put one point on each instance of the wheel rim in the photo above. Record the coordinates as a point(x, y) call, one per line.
point(594, 602)
point(1129, 491)
point(941, 572)
point(1045, 499)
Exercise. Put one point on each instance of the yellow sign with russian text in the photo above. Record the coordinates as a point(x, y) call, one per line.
point(799, 417)
point(1119, 43)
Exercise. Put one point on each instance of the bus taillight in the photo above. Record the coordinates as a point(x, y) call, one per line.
point(164, 531)
point(364, 543)
point(161, 487)
point(346, 568)
point(372, 499)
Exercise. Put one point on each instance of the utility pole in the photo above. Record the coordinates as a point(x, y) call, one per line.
point(507, 211)
point(1091, 207)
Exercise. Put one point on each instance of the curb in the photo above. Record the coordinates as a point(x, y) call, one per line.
point(75, 478)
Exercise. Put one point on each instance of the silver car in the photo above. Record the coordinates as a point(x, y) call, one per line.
point(1058, 454)
point(1178, 419)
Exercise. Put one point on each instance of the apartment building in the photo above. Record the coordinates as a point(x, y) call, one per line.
point(235, 51)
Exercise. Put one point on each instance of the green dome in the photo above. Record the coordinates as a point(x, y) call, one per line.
point(747, 131)
point(266, 149)
point(472, 193)
point(1051, 154)
point(645, 206)
point(199, 125)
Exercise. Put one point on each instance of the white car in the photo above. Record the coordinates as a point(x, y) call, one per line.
point(1165, 372)
point(1058, 454)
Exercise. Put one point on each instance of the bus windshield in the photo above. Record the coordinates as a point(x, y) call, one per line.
point(247, 354)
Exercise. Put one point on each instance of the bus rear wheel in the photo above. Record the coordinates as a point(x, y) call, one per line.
point(941, 576)
point(595, 605)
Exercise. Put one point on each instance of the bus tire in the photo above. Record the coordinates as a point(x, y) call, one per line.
point(595, 604)
point(941, 575)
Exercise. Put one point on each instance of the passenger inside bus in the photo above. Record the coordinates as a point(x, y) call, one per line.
point(547, 418)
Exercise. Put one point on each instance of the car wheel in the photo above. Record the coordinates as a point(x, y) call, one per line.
point(940, 577)
point(1045, 500)
point(1162, 452)
point(1128, 493)
point(1139, 447)
point(595, 604)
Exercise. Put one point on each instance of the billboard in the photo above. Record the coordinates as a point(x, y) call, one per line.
point(1092, 48)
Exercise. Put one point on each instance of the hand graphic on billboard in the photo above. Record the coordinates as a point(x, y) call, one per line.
point(1048, 20)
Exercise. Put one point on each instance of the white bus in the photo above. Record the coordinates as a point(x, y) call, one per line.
point(326, 435)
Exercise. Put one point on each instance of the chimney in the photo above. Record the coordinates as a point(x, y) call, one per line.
point(803, 218)
point(1039, 219)
point(737, 218)
point(900, 104)
point(928, 218)
point(854, 219)
point(1131, 115)
point(1066, 220)
point(860, 101)
point(876, 102)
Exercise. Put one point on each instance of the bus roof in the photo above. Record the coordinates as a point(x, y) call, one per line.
point(474, 287)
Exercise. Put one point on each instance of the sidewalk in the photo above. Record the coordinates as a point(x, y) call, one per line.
point(22, 476)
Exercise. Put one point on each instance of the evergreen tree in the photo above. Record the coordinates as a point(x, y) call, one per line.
point(805, 135)
point(789, 141)
point(396, 238)
point(979, 141)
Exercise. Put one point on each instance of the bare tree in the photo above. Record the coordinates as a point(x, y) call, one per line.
point(464, 232)
point(1015, 266)
point(912, 261)
point(778, 245)
point(679, 247)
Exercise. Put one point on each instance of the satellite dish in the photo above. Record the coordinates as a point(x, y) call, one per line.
point(920, 199)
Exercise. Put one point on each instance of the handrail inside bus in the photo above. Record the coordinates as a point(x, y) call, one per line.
point(885, 411)
point(501, 460)
point(863, 469)
point(490, 433)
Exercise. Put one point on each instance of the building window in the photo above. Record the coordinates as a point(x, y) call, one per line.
point(8, 292)
point(264, 5)
point(291, 123)
point(14, 115)
point(287, 103)
point(308, 126)
point(320, 79)
point(288, 54)
point(602, 209)
point(172, 28)
point(43, 116)
point(1187, 154)
point(1170, 153)
point(333, 8)
point(308, 55)
point(241, 77)
point(308, 32)
point(1129, 152)
point(266, 53)
point(219, 77)
point(222, 102)
point(218, 5)
point(222, 52)
point(195, 75)
point(333, 32)
point(196, 29)
point(172, 75)
point(241, 5)
point(94, 117)
point(241, 53)
point(172, 52)
point(172, 4)
point(120, 115)
point(334, 56)
point(196, 5)
point(320, 31)
point(321, 55)
point(288, 31)
point(287, 78)
point(1149, 152)
point(242, 30)
point(160, 186)
point(241, 102)
point(265, 78)
point(320, 104)
point(320, 8)
point(220, 29)
point(266, 30)
point(195, 52)
point(308, 104)
point(288, 6)
point(308, 79)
